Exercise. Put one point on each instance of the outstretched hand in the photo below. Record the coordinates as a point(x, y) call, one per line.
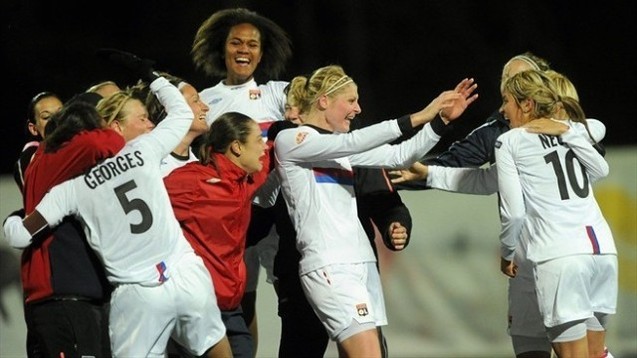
point(416, 172)
point(465, 88)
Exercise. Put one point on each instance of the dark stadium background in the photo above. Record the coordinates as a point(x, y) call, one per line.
point(401, 53)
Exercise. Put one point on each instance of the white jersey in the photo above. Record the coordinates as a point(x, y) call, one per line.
point(124, 205)
point(484, 181)
point(263, 103)
point(546, 199)
point(315, 169)
point(173, 161)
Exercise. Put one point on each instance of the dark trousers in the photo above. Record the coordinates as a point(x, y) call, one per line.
point(302, 333)
point(238, 334)
point(73, 327)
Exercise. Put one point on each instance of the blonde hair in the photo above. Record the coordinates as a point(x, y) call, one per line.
point(111, 108)
point(305, 90)
point(562, 85)
point(547, 100)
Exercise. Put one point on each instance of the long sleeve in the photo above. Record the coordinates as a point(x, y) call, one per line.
point(512, 209)
point(15, 233)
point(52, 209)
point(306, 144)
point(579, 141)
point(398, 155)
point(475, 150)
point(169, 133)
point(396, 211)
point(479, 181)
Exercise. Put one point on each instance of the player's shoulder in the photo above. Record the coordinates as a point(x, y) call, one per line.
point(510, 136)
point(188, 169)
point(274, 85)
point(292, 137)
point(189, 175)
point(211, 92)
point(491, 129)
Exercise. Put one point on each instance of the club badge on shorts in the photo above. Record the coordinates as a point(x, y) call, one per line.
point(255, 93)
point(362, 309)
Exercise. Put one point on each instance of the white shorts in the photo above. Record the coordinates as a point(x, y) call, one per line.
point(575, 287)
point(342, 294)
point(185, 307)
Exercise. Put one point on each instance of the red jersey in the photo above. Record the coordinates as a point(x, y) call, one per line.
point(66, 265)
point(215, 218)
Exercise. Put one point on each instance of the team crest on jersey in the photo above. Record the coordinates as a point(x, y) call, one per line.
point(362, 309)
point(255, 93)
point(300, 137)
point(498, 144)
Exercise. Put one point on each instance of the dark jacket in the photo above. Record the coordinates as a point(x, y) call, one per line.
point(476, 149)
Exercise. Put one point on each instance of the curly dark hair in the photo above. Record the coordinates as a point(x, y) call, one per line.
point(208, 48)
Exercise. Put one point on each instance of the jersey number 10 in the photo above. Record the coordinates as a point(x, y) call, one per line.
point(570, 159)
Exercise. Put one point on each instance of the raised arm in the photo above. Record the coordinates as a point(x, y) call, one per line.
point(449, 104)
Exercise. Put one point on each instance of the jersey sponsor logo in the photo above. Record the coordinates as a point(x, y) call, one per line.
point(254, 94)
point(361, 309)
point(498, 144)
point(333, 176)
point(215, 101)
point(300, 137)
point(101, 173)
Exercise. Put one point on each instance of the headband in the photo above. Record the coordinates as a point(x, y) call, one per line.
point(338, 84)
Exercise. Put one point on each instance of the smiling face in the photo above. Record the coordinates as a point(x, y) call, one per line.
point(341, 108)
point(198, 107)
point(242, 53)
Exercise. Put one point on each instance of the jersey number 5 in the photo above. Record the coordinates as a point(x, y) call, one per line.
point(570, 159)
point(134, 204)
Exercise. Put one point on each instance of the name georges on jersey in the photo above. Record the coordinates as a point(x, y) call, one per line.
point(101, 173)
